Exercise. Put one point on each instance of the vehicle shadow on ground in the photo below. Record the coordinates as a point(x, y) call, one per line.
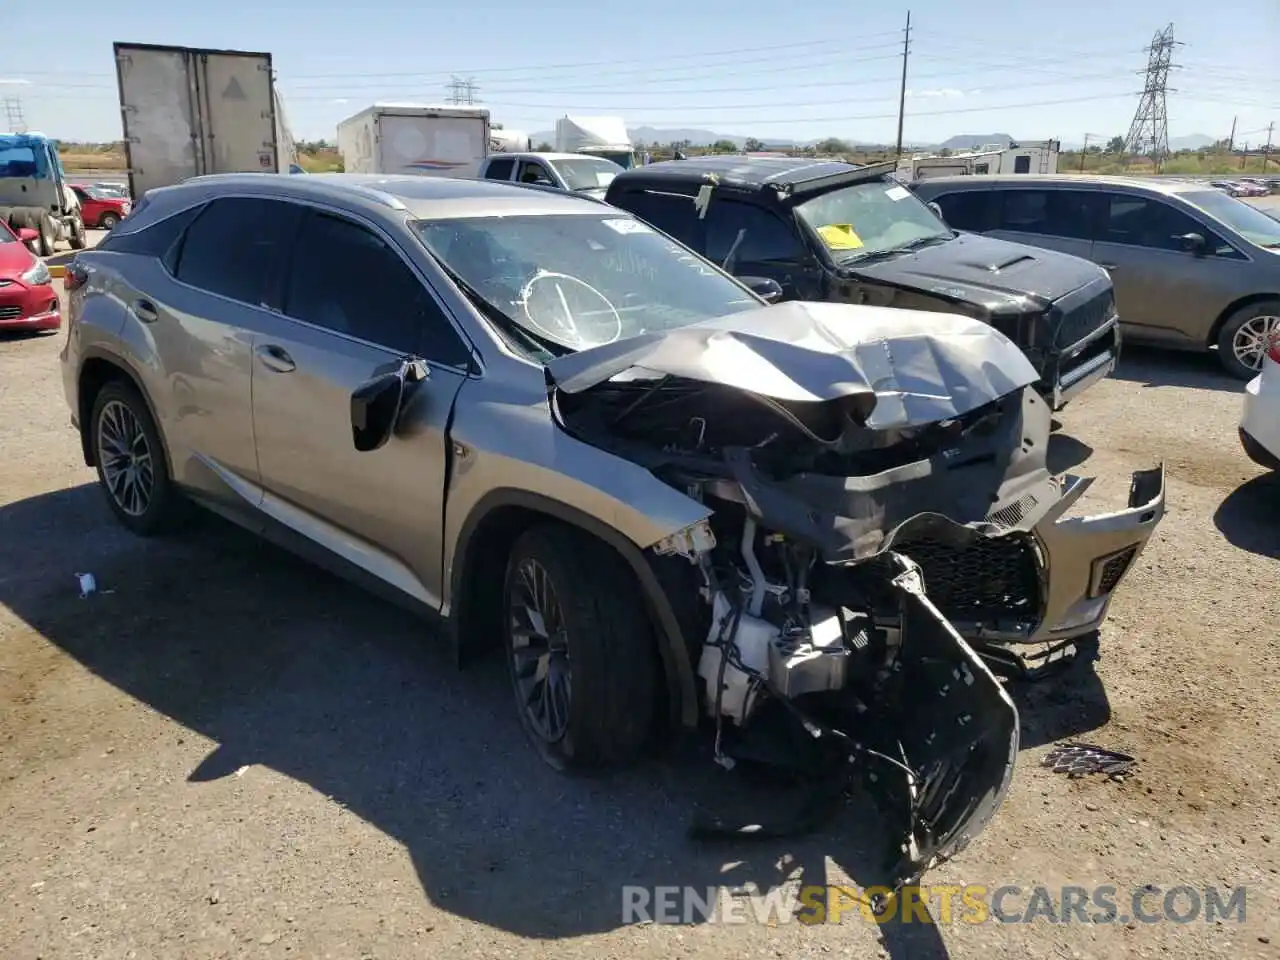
point(1065, 704)
point(1153, 367)
point(1249, 517)
point(286, 666)
point(1066, 452)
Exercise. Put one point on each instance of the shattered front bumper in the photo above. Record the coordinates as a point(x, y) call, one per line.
point(1023, 599)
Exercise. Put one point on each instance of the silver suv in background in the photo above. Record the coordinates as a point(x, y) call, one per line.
point(542, 422)
point(1193, 268)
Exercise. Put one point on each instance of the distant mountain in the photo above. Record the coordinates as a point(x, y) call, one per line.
point(698, 137)
point(1192, 141)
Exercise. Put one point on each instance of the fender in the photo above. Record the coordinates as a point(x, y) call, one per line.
point(97, 352)
point(672, 645)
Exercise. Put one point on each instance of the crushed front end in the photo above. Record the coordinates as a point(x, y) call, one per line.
point(860, 466)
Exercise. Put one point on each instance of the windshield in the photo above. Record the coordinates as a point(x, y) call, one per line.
point(587, 173)
point(1248, 221)
point(18, 160)
point(871, 217)
point(582, 280)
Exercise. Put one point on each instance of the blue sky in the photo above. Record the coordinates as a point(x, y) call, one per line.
point(808, 68)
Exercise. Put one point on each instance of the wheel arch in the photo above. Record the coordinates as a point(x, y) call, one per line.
point(1238, 304)
point(97, 369)
point(483, 545)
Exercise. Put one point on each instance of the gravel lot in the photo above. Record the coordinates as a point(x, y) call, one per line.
point(227, 753)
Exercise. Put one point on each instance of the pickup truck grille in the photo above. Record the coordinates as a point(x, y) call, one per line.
point(1083, 320)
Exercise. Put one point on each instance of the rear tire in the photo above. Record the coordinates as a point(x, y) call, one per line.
point(586, 687)
point(1241, 342)
point(131, 464)
point(48, 235)
point(78, 240)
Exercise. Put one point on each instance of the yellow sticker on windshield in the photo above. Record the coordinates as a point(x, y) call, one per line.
point(840, 236)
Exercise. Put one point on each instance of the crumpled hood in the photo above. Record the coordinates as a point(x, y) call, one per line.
point(985, 270)
point(922, 367)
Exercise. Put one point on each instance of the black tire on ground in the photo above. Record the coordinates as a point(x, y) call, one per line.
point(108, 220)
point(165, 507)
point(78, 239)
point(610, 648)
point(1239, 325)
point(20, 217)
point(48, 235)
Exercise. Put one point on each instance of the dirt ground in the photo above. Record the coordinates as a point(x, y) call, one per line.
point(227, 753)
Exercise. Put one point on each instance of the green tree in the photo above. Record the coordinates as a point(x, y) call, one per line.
point(545, 147)
point(724, 146)
point(753, 145)
point(1115, 145)
point(832, 145)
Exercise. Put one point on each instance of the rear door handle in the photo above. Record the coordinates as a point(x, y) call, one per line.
point(275, 358)
point(145, 311)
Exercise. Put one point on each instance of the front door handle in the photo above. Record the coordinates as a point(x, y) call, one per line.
point(1108, 266)
point(145, 311)
point(275, 358)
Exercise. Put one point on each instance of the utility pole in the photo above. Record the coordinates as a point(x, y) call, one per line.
point(1084, 149)
point(1244, 155)
point(902, 93)
point(1231, 140)
point(1266, 151)
point(1149, 132)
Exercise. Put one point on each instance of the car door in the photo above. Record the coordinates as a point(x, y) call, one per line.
point(750, 241)
point(1163, 291)
point(203, 326)
point(1061, 220)
point(351, 307)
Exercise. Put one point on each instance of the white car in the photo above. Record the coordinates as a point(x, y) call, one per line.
point(1260, 425)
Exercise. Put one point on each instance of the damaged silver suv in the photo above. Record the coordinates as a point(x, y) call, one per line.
point(538, 419)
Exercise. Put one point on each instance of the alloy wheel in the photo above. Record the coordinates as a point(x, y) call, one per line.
point(125, 456)
point(539, 650)
point(1254, 338)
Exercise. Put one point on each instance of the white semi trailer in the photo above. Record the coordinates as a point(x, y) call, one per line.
point(188, 111)
point(415, 138)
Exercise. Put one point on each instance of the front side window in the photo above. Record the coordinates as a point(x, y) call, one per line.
point(1248, 221)
point(744, 233)
point(234, 245)
point(561, 283)
point(499, 169)
point(869, 218)
point(1145, 222)
point(587, 173)
point(345, 278)
point(533, 172)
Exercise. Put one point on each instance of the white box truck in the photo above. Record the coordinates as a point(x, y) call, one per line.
point(188, 111)
point(599, 136)
point(414, 138)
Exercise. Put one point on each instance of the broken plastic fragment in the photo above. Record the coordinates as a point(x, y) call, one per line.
point(1078, 759)
point(694, 539)
point(88, 584)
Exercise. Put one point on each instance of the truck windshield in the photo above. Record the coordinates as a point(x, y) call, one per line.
point(869, 218)
point(1248, 221)
point(587, 173)
point(581, 280)
point(20, 160)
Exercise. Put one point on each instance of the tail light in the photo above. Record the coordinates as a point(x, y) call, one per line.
point(1274, 350)
point(75, 276)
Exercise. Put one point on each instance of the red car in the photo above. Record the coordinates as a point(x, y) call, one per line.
point(27, 298)
point(99, 208)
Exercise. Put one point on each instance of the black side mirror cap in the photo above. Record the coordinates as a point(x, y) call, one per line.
point(376, 404)
point(766, 288)
point(1192, 243)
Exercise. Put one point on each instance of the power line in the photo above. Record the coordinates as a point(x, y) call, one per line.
point(1149, 132)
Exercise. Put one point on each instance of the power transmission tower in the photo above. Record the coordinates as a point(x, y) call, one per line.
point(1149, 132)
point(15, 121)
point(461, 91)
point(902, 92)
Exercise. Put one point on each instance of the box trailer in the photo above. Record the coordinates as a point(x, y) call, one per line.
point(188, 111)
point(414, 138)
point(599, 136)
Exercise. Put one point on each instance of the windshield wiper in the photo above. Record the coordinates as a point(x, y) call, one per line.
point(855, 258)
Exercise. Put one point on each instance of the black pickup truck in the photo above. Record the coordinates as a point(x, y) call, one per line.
point(799, 229)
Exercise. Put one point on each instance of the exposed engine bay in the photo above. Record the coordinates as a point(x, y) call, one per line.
point(834, 458)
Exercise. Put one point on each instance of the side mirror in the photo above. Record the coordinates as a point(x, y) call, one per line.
point(1192, 243)
point(376, 404)
point(937, 210)
point(27, 235)
point(766, 288)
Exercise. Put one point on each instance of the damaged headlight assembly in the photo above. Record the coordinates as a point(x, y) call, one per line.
point(878, 493)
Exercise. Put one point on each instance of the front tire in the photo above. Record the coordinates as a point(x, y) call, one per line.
point(77, 239)
point(580, 649)
point(131, 464)
point(1242, 342)
point(108, 221)
point(48, 235)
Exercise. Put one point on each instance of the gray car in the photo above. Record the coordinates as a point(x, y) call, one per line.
point(554, 429)
point(1193, 268)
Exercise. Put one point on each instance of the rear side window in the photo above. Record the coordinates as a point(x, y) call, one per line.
point(234, 245)
point(499, 169)
point(1050, 213)
point(672, 213)
point(346, 279)
point(159, 239)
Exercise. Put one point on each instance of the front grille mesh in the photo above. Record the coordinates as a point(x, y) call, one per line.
point(991, 579)
point(10, 313)
point(1114, 569)
point(1083, 320)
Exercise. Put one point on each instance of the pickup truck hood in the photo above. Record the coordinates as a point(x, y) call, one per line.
point(979, 269)
point(922, 367)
